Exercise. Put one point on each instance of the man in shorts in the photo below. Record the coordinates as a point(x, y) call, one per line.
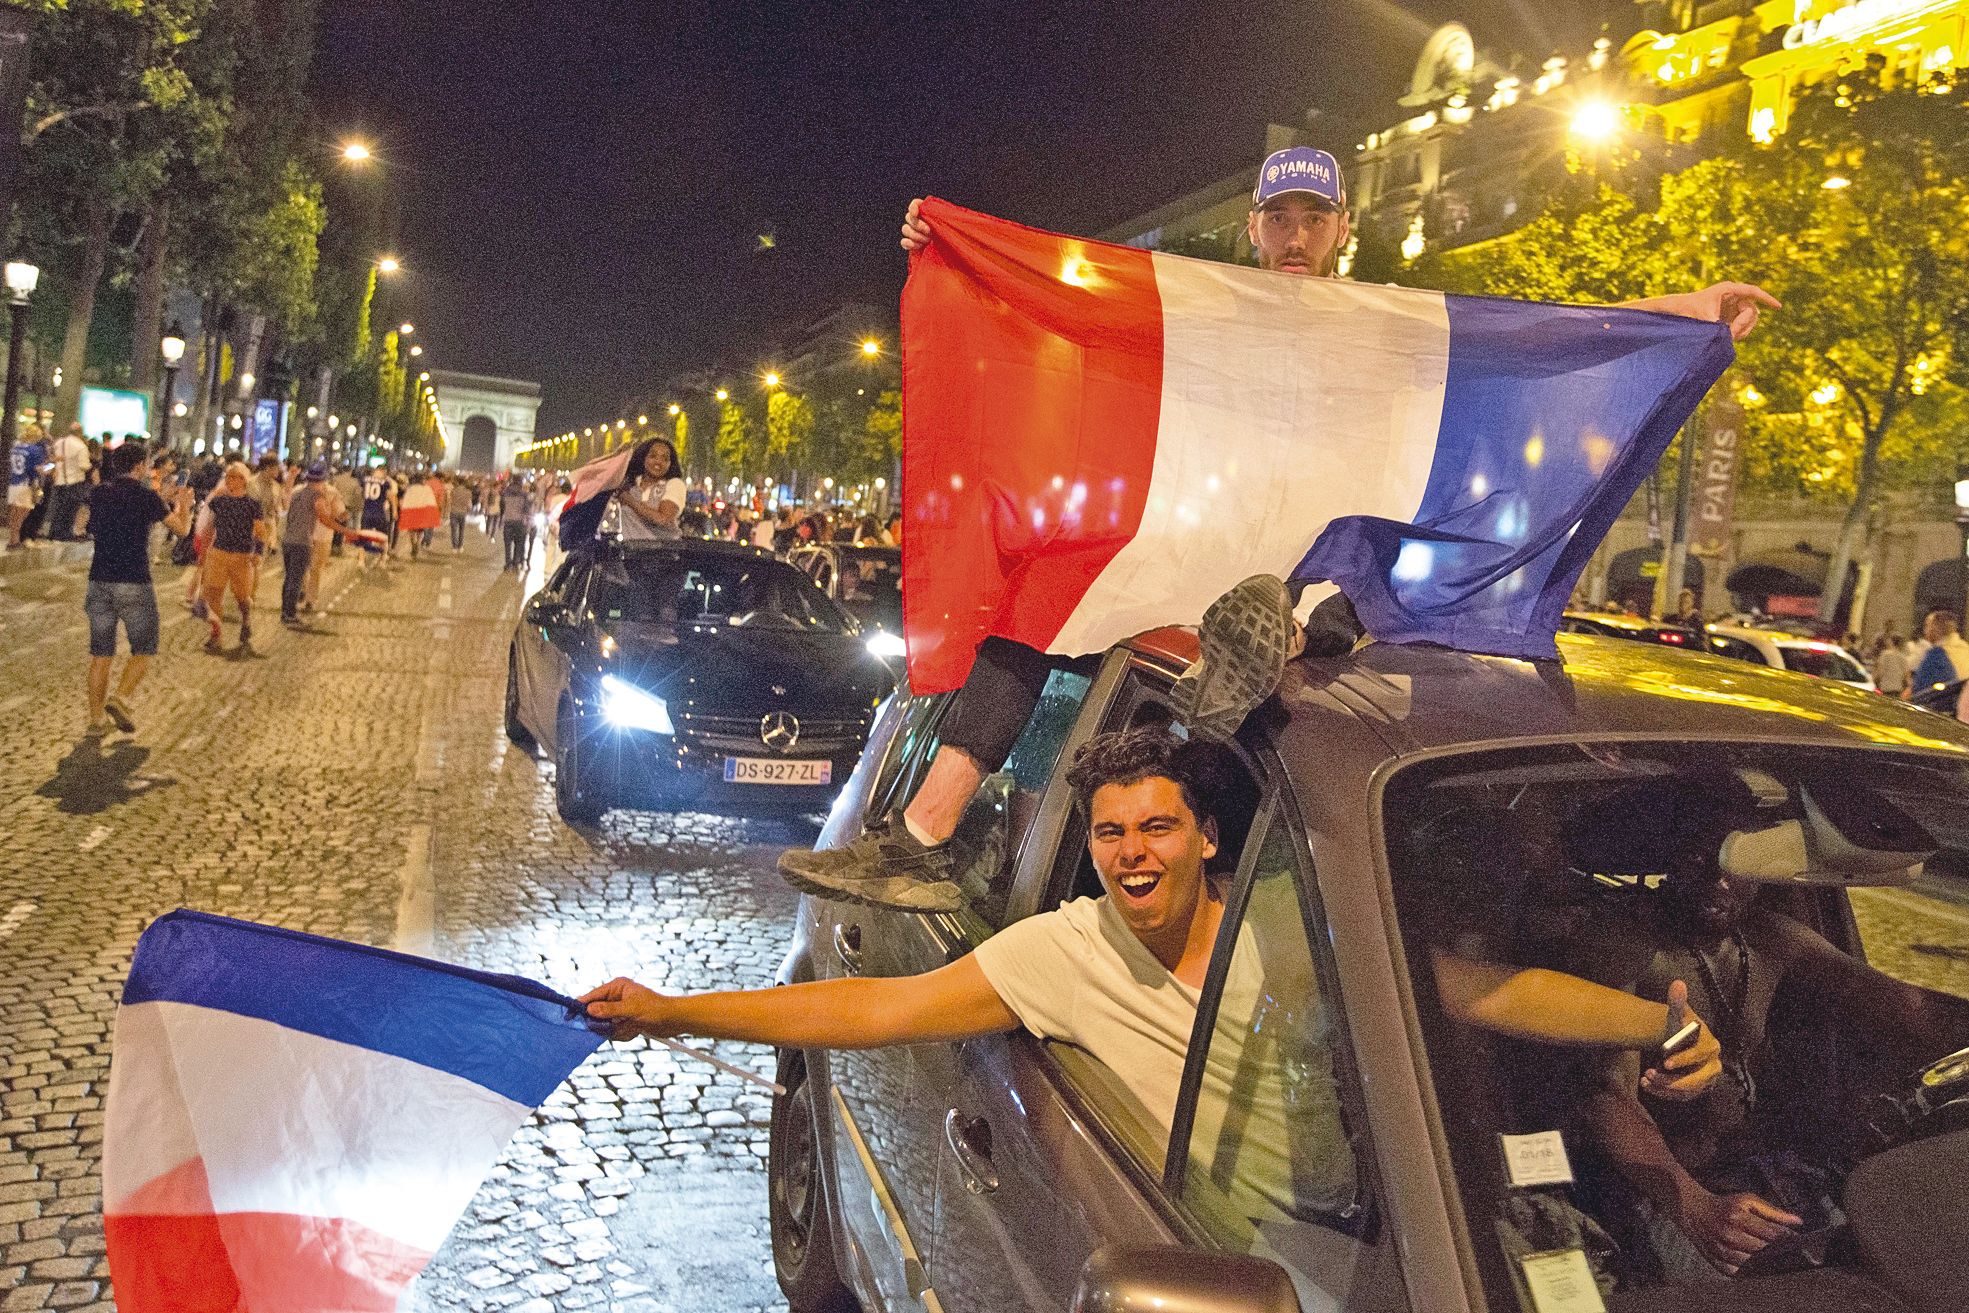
point(315, 509)
point(121, 511)
point(1297, 225)
point(239, 534)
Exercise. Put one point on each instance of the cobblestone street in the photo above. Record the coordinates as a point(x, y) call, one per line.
point(354, 781)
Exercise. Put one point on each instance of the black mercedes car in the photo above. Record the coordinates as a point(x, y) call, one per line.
point(664, 674)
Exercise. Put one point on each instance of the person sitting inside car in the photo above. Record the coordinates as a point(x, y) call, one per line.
point(1721, 1179)
point(1119, 975)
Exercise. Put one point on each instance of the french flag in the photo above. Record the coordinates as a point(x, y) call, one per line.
point(1099, 440)
point(580, 516)
point(295, 1123)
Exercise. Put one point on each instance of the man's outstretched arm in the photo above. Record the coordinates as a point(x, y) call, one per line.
point(1735, 304)
point(952, 1003)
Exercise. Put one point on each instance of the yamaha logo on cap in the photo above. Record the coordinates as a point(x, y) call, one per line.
point(1300, 169)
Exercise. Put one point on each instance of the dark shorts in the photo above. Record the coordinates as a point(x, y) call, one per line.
point(134, 605)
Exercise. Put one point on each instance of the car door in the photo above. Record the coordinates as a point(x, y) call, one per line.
point(544, 624)
point(889, 1106)
point(1049, 1157)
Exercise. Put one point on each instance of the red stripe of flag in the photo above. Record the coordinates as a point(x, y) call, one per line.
point(1032, 377)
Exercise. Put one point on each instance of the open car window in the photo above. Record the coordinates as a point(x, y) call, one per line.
point(1738, 870)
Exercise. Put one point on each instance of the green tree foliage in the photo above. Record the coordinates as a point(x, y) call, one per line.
point(789, 429)
point(738, 445)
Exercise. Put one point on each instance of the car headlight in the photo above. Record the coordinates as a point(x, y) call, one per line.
point(882, 643)
point(627, 707)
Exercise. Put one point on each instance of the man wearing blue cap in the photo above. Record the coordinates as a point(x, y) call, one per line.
point(311, 505)
point(1297, 225)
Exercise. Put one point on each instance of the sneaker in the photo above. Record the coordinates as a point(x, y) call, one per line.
point(884, 867)
point(1246, 638)
point(214, 643)
point(119, 711)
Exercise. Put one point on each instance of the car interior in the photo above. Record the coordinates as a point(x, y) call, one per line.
point(1549, 858)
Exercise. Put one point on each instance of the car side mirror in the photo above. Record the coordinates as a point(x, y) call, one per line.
point(1173, 1279)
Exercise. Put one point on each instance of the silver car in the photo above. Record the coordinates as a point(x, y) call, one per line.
point(1390, 793)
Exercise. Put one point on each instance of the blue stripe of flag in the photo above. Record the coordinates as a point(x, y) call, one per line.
point(1552, 418)
point(508, 1034)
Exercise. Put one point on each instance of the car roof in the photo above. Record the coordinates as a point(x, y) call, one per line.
point(1419, 698)
point(1780, 638)
point(1621, 620)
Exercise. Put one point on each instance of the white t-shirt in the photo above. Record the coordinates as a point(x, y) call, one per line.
point(71, 459)
point(651, 495)
point(1079, 975)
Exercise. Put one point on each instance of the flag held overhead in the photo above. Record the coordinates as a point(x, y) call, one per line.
point(1098, 440)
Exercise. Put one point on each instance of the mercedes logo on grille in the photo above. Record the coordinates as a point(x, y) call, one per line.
point(779, 729)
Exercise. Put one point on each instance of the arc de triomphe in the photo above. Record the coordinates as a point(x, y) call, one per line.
point(485, 418)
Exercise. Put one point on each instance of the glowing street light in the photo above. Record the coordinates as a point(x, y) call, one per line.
point(406, 328)
point(724, 394)
point(416, 351)
point(356, 152)
point(771, 379)
point(1837, 182)
point(1595, 121)
point(871, 347)
point(389, 264)
point(675, 409)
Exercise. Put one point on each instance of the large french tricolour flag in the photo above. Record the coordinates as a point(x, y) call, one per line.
point(295, 1123)
point(1098, 440)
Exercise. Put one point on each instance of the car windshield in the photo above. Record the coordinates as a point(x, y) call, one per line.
point(1825, 662)
point(871, 584)
point(1806, 898)
point(685, 588)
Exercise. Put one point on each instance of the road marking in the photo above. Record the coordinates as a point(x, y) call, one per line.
point(444, 593)
point(96, 836)
point(417, 903)
point(16, 915)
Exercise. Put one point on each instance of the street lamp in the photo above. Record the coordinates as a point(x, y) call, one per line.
point(172, 347)
point(772, 379)
point(406, 328)
point(871, 347)
point(388, 264)
point(22, 278)
point(356, 152)
point(675, 410)
point(723, 394)
point(1595, 121)
point(416, 351)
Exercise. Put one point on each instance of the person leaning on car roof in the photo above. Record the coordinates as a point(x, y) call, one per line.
point(1118, 975)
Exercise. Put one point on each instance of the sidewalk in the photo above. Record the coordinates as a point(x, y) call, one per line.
point(43, 554)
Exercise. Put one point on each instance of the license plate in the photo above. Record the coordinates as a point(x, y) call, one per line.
point(769, 770)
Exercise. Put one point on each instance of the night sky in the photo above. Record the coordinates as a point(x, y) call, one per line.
point(580, 185)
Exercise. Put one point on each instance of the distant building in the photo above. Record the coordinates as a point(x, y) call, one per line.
point(1480, 136)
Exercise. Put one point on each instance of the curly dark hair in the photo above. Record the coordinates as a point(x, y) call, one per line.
point(1214, 785)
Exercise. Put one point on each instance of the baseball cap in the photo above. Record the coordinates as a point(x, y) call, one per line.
point(1303, 169)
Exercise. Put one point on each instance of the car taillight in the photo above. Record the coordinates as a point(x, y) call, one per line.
point(1674, 640)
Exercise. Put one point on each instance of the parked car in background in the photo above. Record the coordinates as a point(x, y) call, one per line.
point(1634, 628)
point(1785, 651)
point(867, 582)
point(1383, 795)
point(661, 674)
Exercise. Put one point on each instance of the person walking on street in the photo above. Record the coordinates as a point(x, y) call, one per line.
point(493, 492)
point(70, 458)
point(460, 497)
point(349, 489)
point(1891, 670)
point(27, 461)
point(417, 514)
point(239, 532)
point(120, 591)
point(314, 507)
point(1947, 657)
point(378, 497)
point(516, 513)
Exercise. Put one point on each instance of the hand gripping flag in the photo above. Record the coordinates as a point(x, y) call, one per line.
point(580, 515)
point(295, 1123)
point(1098, 440)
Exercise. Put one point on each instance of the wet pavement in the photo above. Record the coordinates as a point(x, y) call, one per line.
point(355, 781)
